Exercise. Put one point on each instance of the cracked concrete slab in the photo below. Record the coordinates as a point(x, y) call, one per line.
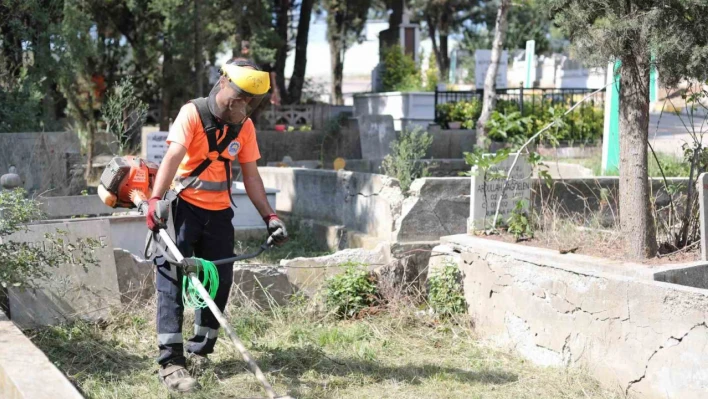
point(435, 207)
point(627, 330)
point(25, 371)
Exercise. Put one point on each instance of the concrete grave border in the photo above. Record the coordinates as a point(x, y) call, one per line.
point(25, 371)
point(647, 337)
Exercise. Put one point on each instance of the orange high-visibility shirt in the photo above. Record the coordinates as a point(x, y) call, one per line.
point(187, 130)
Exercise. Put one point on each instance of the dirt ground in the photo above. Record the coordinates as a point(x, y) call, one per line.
point(601, 245)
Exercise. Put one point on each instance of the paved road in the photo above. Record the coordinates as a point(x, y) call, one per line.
point(668, 132)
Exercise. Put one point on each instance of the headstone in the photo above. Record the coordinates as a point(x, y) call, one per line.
point(376, 132)
point(155, 146)
point(482, 59)
point(703, 204)
point(73, 290)
point(483, 207)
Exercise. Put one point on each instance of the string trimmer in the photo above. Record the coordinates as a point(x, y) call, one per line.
point(120, 187)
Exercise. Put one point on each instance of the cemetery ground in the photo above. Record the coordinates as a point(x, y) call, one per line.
point(399, 352)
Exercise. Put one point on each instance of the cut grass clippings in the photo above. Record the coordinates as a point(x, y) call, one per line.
point(396, 354)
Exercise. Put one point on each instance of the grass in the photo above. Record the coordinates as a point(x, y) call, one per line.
point(301, 244)
point(395, 354)
point(672, 165)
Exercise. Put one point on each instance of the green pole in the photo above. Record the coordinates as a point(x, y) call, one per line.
point(653, 83)
point(610, 136)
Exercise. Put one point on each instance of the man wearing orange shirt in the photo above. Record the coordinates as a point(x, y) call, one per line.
point(208, 134)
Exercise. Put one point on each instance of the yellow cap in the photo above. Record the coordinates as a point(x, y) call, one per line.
point(249, 80)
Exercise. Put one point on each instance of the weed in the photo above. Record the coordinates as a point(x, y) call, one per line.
point(445, 291)
point(518, 222)
point(402, 163)
point(348, 293)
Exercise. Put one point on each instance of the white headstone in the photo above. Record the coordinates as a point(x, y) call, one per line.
point(482, 59)
point(482, 208)
point(703, 205)
point(376, 132)
point(155, 146)
point(72, 290)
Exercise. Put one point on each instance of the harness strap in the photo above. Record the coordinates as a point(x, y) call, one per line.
point(211, 128)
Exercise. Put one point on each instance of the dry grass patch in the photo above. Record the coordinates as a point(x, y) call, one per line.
point(398, 353)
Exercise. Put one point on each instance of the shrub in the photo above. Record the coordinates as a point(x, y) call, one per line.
point(400, 73)
point(465, 111)
point(124, 114)
point(348, 293)
point(509, 124)
point(432, 73)
point(402, 163)
point(22, 263)
point(445, 291)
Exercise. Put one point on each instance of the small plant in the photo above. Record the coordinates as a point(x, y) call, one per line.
point(124, 114)
point(402, 163)
point(518, 222)
point(348, 293)
point(400, 73)
point(510, 127)
point(305, 128)
point(445, 294)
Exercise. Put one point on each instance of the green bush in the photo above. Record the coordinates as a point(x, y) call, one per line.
point(402, 163)
point(509, 124)
point(348, 293)
point(432, 73)
point(400, 73)
point(583, 125)
point(21, 263)
point(466, 111)
point(445, 291)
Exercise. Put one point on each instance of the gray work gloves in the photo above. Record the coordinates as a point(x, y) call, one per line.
point(276, 229)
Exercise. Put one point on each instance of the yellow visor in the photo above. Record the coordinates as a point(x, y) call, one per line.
point(249, 80)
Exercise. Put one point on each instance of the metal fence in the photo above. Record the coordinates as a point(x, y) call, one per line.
point(527, 99)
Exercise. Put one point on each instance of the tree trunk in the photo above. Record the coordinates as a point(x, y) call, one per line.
point(198, 62)
point(636, 218)
point(443, 58)
point(297, 80)
point(281, 55)
point(337, 54)
point(396, 17)
point(44, 59)
point(166, 100)
point(490, 80)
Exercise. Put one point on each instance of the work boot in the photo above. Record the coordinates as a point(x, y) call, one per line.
point(177, 379)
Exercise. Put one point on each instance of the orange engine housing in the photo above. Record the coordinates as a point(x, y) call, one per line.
point(124, 175)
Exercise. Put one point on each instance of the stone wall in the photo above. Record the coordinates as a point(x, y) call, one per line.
point(450, 143)
point(309, 145)
point(43, 160)
point(649, 338)
point(362, 202)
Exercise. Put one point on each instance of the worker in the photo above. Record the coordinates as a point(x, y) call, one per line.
point(207, 135)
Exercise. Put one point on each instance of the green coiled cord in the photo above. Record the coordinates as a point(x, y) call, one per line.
point(190, 295)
